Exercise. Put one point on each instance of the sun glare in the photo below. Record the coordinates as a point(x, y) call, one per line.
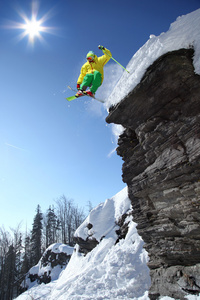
point(33, 27)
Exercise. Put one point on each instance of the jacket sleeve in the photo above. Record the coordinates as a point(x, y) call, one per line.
point(106, 57)
point(82, 74)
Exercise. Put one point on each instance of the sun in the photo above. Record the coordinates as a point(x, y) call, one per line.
point(32, 27)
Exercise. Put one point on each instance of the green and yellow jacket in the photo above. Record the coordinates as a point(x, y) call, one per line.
point(96, 65)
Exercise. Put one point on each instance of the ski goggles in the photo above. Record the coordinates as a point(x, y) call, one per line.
point(90, 58)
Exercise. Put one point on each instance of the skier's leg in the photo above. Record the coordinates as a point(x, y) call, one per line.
point(96, 82)
point(87, 81)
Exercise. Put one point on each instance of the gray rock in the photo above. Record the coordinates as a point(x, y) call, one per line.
point(161, 151)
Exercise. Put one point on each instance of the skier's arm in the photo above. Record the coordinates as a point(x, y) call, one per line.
point(82, 74)
point(106, 57)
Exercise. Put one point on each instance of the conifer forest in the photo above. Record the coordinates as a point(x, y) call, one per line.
point(19, 250)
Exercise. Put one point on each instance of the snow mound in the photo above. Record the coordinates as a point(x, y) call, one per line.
point(103, 219)
point(183, 33)
point(60, 248)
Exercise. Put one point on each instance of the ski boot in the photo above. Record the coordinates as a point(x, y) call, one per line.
point(79, 93)
point(89, 93)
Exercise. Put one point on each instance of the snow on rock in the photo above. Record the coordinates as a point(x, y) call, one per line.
point(183, 33)
point(104, 217)
point(49, 267)
point(60, 248)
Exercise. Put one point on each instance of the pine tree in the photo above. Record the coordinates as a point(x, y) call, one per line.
point(9, 273)
point(36, 237)
point(5, 242)
point(51, 227)
point(10, 263)
point(18, 263)
point(26, 262)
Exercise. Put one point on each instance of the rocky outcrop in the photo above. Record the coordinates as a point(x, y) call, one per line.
point(85, 246)
point(53, 261)
point(160, 147)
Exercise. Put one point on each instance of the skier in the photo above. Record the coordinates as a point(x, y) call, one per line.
point(92, 72)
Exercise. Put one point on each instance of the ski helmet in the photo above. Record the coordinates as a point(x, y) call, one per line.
point(90, 56)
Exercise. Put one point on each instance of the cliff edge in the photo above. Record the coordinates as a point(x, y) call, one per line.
point(160, 147)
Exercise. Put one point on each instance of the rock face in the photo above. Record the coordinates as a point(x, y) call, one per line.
point(161, 151)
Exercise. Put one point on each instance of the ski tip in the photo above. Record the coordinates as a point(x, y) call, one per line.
point(71, 98)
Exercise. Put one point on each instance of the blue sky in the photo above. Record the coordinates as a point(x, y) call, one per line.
point(49, 147)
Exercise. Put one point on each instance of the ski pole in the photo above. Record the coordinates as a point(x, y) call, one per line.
point(115, 60)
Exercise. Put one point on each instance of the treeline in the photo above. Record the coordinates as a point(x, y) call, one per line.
point(20, 251)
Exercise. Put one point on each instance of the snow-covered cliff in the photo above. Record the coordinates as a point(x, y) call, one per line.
point(160, 147)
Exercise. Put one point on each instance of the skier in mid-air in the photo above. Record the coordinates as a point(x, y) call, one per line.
point(92, 74)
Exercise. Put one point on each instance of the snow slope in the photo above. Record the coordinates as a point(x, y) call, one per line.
point(183, 33)
point(104, 216)
point(109, 271)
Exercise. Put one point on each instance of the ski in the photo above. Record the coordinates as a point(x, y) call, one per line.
point(71, 98)
point(75, 97)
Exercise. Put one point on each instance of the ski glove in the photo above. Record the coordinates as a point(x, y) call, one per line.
point(101, 47)
point(78, 86)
